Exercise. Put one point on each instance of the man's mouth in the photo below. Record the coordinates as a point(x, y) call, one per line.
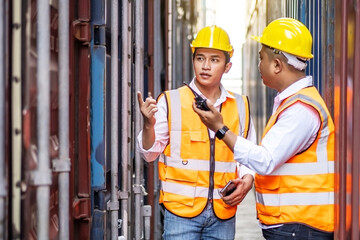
point(205, 75)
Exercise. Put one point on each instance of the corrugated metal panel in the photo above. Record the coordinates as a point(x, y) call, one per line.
point(346, 112)
point(309, 13)
point(99, 115)
point(356, 119)
point(80, 119)
point(318, 16)
point(98, 97)
point(327, 45)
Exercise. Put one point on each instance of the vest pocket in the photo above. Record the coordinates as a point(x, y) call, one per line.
point(267, 195)
point(180, 186)
point(194, 145)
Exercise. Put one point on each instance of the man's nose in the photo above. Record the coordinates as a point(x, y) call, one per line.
point(206, 64)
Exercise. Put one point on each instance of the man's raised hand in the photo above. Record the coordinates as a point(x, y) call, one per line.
point(148, 108)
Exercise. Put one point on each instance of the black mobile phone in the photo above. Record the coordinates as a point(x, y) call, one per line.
point(228, 189)
point(199, 101)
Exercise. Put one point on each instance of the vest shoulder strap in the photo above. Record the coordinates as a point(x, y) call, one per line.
point(243, 106)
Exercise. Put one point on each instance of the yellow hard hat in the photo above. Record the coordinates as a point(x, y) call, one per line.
point(213, 37)
point(287, 35)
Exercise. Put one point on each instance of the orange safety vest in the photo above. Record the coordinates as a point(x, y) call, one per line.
point(302, 189)
point(193, 167)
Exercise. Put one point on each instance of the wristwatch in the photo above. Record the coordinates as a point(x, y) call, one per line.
point(221, 132)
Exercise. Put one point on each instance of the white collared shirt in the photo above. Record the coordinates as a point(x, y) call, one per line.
point(162, 130)
point(293, 132)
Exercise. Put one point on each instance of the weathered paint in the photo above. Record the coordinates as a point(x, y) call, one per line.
point(98, 99)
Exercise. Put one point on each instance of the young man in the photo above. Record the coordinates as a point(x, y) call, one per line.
point(295, 161)
point(194, 165)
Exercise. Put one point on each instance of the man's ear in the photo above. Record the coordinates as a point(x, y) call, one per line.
point(227, 67)
point(278, 65)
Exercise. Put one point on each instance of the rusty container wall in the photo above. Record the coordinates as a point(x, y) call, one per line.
point(347, 117)
point(79, 114)
point(149, 87)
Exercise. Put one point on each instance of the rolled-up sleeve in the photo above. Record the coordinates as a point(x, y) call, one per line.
point(161, 134)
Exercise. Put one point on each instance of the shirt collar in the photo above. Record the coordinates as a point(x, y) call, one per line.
point(295, 87)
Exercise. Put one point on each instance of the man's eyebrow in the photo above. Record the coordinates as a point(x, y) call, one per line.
point(213, 55)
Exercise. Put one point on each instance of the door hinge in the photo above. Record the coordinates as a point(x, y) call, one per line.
point(81, 30)
point(81, 208)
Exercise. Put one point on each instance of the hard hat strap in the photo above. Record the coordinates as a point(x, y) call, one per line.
point(295, 62)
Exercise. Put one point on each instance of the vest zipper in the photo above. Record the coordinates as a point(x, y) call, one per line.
point(212, 168)
point(212, 165)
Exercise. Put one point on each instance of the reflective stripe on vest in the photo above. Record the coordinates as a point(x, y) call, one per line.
point(175, 130)
point(244, 114)
point(185, 179)
point(287, 199)
point(188, 190)
point(200, 165)
point(302, 189)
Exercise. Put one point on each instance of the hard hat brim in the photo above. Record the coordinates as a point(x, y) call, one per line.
point(229, 52)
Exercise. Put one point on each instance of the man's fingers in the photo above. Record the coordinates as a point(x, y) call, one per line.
point(210, 105)
point(237, 180)
point(195, 108)
point(140, 99)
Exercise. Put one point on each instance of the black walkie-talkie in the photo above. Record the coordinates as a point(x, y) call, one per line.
point(200, 102)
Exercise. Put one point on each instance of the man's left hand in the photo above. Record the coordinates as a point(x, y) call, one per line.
point(243, 187)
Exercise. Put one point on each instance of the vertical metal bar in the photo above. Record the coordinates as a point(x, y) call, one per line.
point(355, 126)
point(147, 225)
point(154, 79)
point(64, 119)
point(342, 140)
point(158, 57)
point(170, 43)
point(16, 118)
point(139, 79)
point(98, 96)
point(43, 174)
point(114, 118)
point(157, 47)
point(327, 52)
point(2, 122)
point(174, 46)
point(125, 83)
